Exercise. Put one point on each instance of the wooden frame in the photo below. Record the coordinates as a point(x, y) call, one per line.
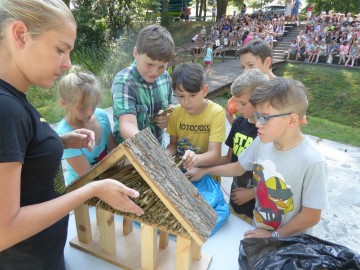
point(117, 242)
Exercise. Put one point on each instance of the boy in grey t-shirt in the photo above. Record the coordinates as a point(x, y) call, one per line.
point(288, 170)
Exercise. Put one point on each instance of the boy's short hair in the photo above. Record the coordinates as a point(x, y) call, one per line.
point(283, 94)
point(190, 76)
point(156, 42)
point(247, 82)
point(257, 47)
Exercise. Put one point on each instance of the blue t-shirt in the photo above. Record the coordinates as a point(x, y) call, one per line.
point(99, 151)
point(208, 55)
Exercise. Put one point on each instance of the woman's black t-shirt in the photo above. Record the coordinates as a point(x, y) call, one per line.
point(27, 138)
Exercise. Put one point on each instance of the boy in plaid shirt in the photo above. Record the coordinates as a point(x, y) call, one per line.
point(142, 90)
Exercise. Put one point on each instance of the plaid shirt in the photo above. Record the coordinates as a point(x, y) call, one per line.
point(131, 94)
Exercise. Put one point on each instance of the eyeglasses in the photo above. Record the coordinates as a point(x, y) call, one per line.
point(263, 119)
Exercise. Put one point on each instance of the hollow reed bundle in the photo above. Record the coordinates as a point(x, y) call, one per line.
point(156, 213)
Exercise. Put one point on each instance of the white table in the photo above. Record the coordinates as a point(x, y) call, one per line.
point(223, 246)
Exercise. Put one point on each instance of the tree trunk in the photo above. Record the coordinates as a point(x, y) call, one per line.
point(200, 9)
point(165, 18)
point(205, 10)
point(221, 8)
point(197, 8)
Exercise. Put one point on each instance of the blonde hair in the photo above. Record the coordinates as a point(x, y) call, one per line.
point(38, 15)
point(79, 88)
point(247, 82)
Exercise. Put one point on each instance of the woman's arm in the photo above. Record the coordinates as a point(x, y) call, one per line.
point(19, 223)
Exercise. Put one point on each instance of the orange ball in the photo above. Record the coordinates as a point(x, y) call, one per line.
point(231, 105)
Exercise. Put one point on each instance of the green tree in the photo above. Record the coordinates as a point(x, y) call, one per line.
point(342, 6)
point(165, 18)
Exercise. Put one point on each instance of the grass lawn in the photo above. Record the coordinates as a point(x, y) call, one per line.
point(334, 99)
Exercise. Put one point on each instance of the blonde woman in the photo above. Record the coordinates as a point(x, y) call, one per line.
point(36, 38)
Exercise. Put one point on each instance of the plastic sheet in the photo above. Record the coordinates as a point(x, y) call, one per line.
point(211, 192)
point(297, 252)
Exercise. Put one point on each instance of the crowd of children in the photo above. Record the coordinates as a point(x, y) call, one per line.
point(238, 29)
point(329, 35)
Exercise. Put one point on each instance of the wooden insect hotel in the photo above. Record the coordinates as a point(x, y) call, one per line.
point(171, 203)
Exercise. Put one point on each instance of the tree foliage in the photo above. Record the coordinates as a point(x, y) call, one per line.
point(101, 21)
point(342, 6)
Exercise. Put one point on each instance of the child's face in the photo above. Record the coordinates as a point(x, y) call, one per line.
point(250, 61)
point(193, 103)
point(148, 68)
point(275, 127)
point(82, 114)
point(244, 107)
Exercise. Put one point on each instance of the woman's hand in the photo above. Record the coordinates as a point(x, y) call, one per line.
point(117, 195)
point(79, 138)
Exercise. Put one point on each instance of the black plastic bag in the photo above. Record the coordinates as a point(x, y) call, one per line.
point(297, 252)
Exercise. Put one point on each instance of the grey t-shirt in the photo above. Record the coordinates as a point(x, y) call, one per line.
point(285, 181)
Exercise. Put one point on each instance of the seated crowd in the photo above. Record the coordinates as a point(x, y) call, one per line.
point(330, 36)
point(236, 30)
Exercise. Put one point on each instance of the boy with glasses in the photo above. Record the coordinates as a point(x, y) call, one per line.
point(289, 172)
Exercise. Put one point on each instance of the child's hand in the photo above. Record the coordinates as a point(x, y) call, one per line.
point(79, 138)
point(161, 121)
point(195, 174)
point(242, 195)
point(257, 233)
point(190, 159)
point(117, 195)
point(162, 117)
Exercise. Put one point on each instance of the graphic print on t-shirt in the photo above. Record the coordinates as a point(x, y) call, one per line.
point(241, 142)
point(59, 181)
point(274, 197)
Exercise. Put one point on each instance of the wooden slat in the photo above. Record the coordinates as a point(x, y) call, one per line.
point(127, 226)
point(183, 253)
point(107, 232)
point(196, 251)
point(148, 247)
point(83, 226)
point(164, 239)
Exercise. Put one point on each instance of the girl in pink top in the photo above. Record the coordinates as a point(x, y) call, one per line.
point(246, 38)
point(344, 50)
